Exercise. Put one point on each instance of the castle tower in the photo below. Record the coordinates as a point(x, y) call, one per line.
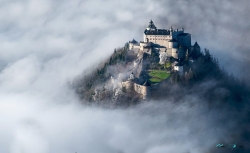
point(133, 44)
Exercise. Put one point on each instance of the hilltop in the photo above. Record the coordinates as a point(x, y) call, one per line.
point(164, 65)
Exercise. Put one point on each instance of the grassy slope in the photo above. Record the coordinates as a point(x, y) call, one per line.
point(158, 75)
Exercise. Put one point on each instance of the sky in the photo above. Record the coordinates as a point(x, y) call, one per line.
point(45, 44)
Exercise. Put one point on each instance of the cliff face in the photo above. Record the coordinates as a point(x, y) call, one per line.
point(203, 75)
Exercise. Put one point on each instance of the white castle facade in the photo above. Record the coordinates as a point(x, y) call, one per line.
point(174, 42)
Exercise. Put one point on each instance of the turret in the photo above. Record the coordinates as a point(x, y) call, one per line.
point(133, 41)
point(171, 31)
point(151, 26)
point(132, 44)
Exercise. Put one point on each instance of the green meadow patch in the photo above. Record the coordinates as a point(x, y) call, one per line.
point(158, 75)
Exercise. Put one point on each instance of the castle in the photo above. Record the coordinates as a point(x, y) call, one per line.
point(170, 43)
point(174, 42)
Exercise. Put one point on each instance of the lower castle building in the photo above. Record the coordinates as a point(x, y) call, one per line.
point(131, 85)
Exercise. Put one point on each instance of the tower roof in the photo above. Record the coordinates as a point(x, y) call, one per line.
point(151, 25)
point(196, 44)
point(133, 41)
point(146, 83)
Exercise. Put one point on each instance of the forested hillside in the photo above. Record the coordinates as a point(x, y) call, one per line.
point(203, 77)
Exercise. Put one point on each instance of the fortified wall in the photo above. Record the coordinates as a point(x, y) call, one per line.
point(131, 85)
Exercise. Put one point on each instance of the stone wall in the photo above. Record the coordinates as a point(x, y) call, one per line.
point(133, 46)
point(144, 90)
point(140, 89)
point(158, 39)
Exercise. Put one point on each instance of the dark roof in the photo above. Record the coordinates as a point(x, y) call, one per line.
point(157, 32)
point(133, 41)
point(172, 40)
point(146, 83)
point(183, 34)
point(196, 44)
point(151, 25)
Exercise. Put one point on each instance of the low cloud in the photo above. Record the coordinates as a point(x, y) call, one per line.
point(45, 45)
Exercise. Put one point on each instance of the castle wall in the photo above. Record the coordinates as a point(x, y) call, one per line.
point(174, 52)
point(169, 51)
point(184, 40)
point(158, 39)
point(142, 45)
point(175, 34)
point(133, 46)
point(140, 89)
point(144, 90)
point(129, 85)
point(172, 44)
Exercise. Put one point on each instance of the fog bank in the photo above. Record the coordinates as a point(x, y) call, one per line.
point(45, 44)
